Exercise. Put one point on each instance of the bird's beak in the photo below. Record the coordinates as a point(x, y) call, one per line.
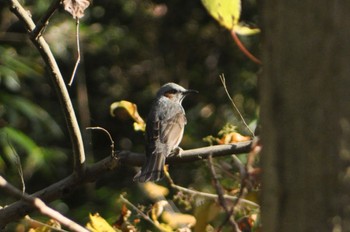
point(189, 91)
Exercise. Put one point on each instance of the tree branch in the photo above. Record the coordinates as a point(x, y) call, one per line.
point(66, 186)
point(222, 200)
point(58, 82)
point(41, 206)
point(44, 21)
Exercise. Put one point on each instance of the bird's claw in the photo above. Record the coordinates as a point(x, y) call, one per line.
point(177, 151)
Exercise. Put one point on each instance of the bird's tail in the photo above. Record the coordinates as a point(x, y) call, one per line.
point(152, 170)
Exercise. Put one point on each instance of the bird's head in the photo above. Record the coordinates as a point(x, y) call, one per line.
point(174, 92)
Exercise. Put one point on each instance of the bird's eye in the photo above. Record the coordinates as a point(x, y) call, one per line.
point(172, 91)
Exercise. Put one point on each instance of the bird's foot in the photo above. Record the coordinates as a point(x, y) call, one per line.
point(177, 151)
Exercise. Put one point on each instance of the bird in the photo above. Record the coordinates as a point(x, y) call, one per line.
point(164, 130)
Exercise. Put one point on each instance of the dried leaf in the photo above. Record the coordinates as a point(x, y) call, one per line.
point(76, 7)
point(98, 224)
point(131, 108)
point(233, 137)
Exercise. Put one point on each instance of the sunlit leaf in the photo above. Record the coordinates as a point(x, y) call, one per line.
point(76, 7)
point(131, 108)
point(233, 137)
point(16, 137)
point(178, 220)
point(98, 224)
point(155, 191)
point(157, 209)
point(226, 12)
point(244, 30)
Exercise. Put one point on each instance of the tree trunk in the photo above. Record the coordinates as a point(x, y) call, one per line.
point(305, 115)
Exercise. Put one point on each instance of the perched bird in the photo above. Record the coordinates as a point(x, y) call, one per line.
point(164, 130)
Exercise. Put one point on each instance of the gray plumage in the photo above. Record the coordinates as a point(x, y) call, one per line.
point(164, 130)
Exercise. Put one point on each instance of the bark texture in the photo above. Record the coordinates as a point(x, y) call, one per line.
point(305, 114)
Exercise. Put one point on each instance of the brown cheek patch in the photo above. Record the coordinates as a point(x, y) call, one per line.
point(169, 95)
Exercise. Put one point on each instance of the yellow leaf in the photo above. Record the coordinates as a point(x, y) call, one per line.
point(226, 12)
point(244, 30)
point(43, 227)
point(155, 191)
point(178, 220)
point(131, 108)
point(98, 224)
point(157, 209)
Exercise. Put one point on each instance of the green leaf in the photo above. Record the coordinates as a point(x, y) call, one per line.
point(32, 111)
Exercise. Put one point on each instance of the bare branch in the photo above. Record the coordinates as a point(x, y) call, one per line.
point(41, 206)
point(142, 214)
point(58, 82)
point(207, 195)
point(78, 53)
point(221, 198)
point(66, 186)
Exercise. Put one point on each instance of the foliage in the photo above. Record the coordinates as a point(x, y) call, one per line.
point(129, 49)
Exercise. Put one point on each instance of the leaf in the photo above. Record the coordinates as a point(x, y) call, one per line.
point(178, 220)
point(244, 30)
point(131, 108)
point(98, 224)
point(76, 7)
point(233, 137)
point(33, 112)
point(226, 12)
point(44, 227)
point(155, 191)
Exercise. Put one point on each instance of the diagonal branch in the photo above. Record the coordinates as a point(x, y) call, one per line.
point(59, 85)
point(93, 172)
point(41, 206)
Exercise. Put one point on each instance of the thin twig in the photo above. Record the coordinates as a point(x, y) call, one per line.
point(142, 214)
point(221, 198)
point(18, 164)
point(223, 81)
point(109, 135)
point(58, 83)
point(41, 206)
point(31, 220)
point(78, 53)
point(203, 194)
point(44, 21)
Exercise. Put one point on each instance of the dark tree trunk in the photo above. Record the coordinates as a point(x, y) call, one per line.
point(305, 114)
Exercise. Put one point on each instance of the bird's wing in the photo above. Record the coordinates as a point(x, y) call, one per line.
point(171, 130)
